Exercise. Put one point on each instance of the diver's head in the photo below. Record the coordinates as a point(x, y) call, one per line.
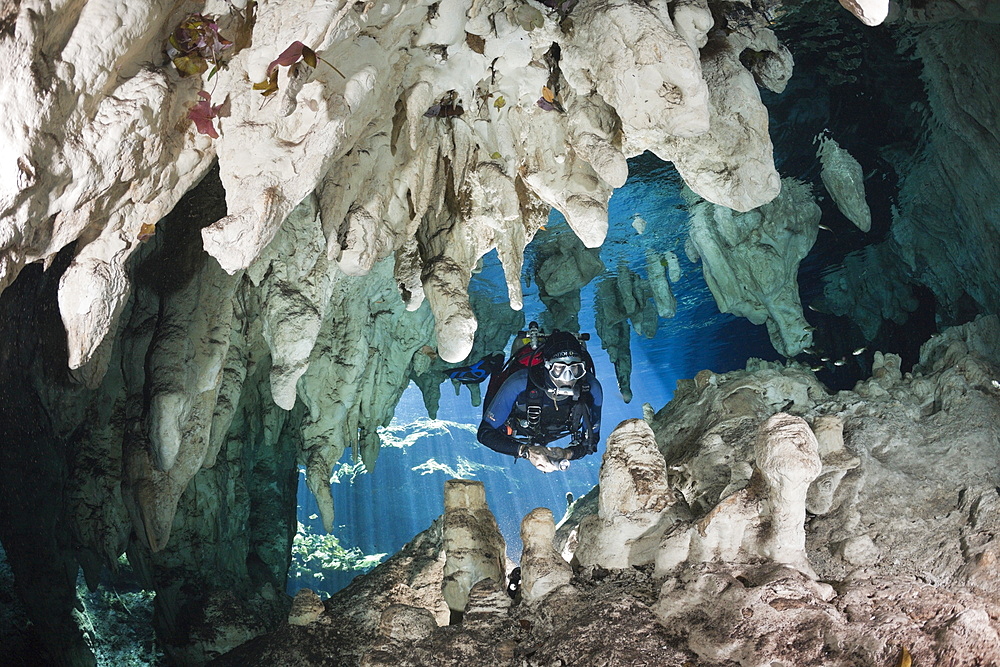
point(563, 361)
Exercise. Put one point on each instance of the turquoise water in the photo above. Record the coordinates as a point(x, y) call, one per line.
point(380, 512)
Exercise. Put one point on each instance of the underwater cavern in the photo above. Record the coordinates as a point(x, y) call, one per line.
point(243, 244)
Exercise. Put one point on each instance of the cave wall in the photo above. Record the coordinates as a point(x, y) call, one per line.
point(943, 235)
point(278, 312)
point(207, 525)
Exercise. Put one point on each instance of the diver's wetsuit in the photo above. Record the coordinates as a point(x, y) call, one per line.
point(502, 418)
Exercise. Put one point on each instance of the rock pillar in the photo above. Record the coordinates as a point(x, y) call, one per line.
point(543, 570)
point(636, 503)
point(473, 544)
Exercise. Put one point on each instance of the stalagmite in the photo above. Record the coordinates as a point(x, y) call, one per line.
point(837, 461)
point(472, 541)
point(765, 520)
point(543, 569)
point(636, 502)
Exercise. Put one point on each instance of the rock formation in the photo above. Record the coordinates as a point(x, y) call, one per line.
point(474, 159)
point(845, 181)
point(623, 299)
point(871, 287)
point(563, 265)
point(940, 237)
point(663, 296)
point(765, 519)
point(473, 546)
point(925, 431)
point(636, 503)
point(750, 261)
point(543, 569)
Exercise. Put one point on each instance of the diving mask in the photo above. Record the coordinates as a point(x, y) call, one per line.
point(566, 371)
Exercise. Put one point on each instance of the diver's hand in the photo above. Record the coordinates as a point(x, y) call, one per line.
point(545, 459)
point(560, 456)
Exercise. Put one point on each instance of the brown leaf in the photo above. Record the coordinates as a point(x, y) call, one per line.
point(190, 65)
point(288, 57)
point(268, 86)
point(548, 95)
point(243, 31)
point(146, 232)
point(202, 113)
point(309, 56)
point(475, 42)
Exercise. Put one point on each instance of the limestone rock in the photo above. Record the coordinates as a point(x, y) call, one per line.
point(331, 141)
point(406, 623)
point(612, 53)
point(623, 299)
point(765, 520)
point(869, 12)
point(306, 608)
point(543, 569)
point(845, 181)
point(880, 289)
point(473, 544)
point(744, 268)
point(637, 504)
point(663, 296)
point(563, 265)
point(837, 461)
point(673, 266)
point(488, 600)
point(940, 603)
point(708, 161)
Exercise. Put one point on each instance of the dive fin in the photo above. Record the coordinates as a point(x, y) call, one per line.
point(478, 371)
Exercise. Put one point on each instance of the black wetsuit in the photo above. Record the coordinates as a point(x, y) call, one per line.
point(506, 424)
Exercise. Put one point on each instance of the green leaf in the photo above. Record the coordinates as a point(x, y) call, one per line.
point(190, 65)
point(500, 102)
point(496, 155)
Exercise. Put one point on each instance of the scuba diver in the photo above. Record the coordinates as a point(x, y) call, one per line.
point(546, 391)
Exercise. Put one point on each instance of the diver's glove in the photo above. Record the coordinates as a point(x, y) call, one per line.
point(546, 459)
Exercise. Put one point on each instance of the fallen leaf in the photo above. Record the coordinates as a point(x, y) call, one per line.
point(475, 42)
point(904, 658)
point(190, 65)
point(309, 56)
point(146, 232)
point(496, 155)
point(268, 86)
point(289, 56)
point(244, 26)
point(500, 102)
point(548, 95)
point(202, 113)
point(196, 42)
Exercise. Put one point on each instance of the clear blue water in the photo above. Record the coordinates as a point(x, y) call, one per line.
point(380, 512)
